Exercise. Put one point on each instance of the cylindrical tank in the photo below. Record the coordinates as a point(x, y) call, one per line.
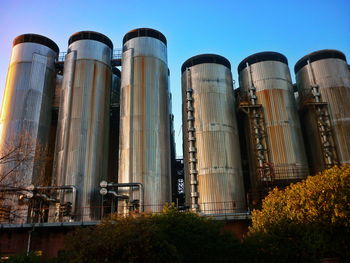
point(81, 153)
point(323, 81)
point(213, 172)
point(274, 133)
point(144, 121)
point(26, 112)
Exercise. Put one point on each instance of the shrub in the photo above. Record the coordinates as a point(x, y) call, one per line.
point(172, 236)
point(306, 221)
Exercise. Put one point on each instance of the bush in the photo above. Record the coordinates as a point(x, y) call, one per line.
point(172, 236)
point(307, 221)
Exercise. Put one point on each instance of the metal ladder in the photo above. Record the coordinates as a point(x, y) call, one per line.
point(191, 143)
point(324, 124)
point(258, 135)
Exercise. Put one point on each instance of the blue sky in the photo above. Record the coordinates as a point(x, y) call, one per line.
point(233, 29)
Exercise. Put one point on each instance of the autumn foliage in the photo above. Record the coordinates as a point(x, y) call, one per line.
point(306, 221)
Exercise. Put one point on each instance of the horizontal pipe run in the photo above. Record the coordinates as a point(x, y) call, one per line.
point(64, 187)
point(139, 185)
point(118, 196)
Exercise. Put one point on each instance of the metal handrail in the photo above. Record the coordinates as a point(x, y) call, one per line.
point(216, 210)
point(117, 54)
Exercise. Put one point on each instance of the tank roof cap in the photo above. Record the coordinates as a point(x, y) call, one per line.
point(144, 32)
point(92, 35)
point(34, 38)
point(318, 55)
point(260, 57)
point(205, 58)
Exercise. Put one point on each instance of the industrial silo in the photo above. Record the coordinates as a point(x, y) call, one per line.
point(213, 173)
point(26, 116)
point(323, 81)
point(275, 144)
point(144, 144)
point(81, 153)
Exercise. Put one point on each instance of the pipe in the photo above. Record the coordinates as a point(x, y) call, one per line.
point(29, 240)
point(114, 193)
point(38, 188)
point(64, 187)
point(46, 198)
point(251, 86)
point(139, 185)
point(12, 189)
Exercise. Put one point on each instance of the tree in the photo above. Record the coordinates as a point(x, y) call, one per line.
point(306, 221)
point(22, 162)
point(172, 236)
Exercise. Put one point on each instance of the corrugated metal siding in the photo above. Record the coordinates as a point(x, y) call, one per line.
point(333, 78)
point(284, 137)
point(144, 124)
point(26, 112)
point(82, 140)
point(220, 182)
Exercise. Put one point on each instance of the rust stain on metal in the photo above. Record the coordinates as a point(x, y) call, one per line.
point(143, 107)
point(218, 161)
point(332, 80)
point(283, 135)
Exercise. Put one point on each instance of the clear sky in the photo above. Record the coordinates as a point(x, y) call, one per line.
point(233, 29)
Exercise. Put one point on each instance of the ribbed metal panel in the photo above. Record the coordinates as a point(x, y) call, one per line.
point(144, 121)
point(26, 114)
point(220, 181)
point(333, 79)
point(81, 154)
point(285, 143)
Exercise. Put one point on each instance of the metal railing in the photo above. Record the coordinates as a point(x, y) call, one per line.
point(117, 54)
point(61, 56)
point(50, 214)
point(290, 173)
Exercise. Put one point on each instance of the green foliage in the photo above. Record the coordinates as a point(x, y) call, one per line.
point(172, 236)
point(120, 240)
point(197, 239)
point(306, 221)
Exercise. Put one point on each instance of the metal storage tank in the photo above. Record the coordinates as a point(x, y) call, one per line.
point(323, 81)
point(81, 153)
point(26, 113)
point(213, 172)
point(144, 149)
point(276, 147)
